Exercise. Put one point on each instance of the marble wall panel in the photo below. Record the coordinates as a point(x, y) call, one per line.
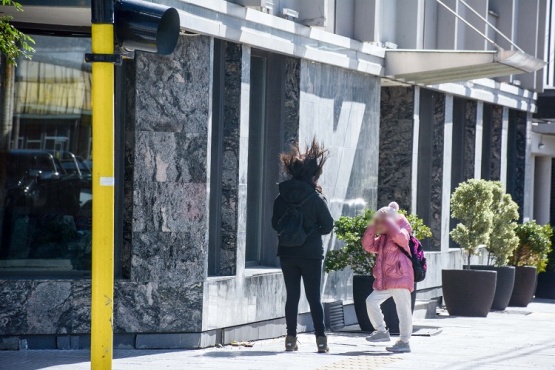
point(170, 157)
point(165, 192)
point(495, 152)
point(230, 155)
point(49, 308)
point(291, 102)
point(157, 307)
point(436, 183)
point(128, 166)
point(168, 207)
point(172, 91)
point(62, 307)
point(81, 306)
point(469, 138)
point(396, 131)
point(13, 306)
point(163, 256)
point(36, 307)
point(517, 156)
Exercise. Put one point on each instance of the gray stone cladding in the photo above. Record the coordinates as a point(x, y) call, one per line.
point(396, 131)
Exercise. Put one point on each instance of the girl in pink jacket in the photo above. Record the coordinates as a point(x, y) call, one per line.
point(393, 273)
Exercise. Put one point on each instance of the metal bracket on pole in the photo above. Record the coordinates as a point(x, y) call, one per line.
point(104, 58)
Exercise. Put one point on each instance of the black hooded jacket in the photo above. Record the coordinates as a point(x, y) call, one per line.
point(317, 218)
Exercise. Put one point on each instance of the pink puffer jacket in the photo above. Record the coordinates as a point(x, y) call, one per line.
point(393, 270)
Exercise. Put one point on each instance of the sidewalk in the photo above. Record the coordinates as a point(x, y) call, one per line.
point(520, 338)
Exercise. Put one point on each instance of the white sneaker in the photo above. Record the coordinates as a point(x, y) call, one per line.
point(379, 336)
point(399, 347)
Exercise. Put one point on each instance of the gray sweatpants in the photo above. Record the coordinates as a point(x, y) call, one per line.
point(402, 300)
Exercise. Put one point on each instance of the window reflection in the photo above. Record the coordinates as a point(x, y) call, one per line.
point(45, 166)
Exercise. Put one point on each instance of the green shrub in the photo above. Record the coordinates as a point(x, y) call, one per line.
point(471, 205)
point(534, 245)
point(503, 240)
point(350, 230)
point(550, 266)
point(419, 230)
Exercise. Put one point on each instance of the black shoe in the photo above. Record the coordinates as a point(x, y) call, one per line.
point(322, 343)
point(291, 343)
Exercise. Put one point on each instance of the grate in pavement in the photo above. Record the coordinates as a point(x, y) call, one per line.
point(361, 363)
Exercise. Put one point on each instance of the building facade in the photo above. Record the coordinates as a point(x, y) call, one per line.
point(198, 135)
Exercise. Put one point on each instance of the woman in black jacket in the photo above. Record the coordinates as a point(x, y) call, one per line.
point(300, 200)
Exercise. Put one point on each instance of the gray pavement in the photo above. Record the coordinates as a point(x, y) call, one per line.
point(522, 338)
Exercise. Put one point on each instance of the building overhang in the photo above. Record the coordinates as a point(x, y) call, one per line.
point(430, 67)
point(44, 16)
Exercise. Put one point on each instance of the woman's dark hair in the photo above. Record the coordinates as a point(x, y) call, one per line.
point(305, 166)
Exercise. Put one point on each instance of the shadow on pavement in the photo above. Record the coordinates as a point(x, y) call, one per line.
point(251, 353)
point(418, 330)
point(242, 353)
point(498, 357)
point(364, 353)
point(40, 359)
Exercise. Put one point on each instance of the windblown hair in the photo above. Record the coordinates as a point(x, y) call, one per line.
point(305, 166)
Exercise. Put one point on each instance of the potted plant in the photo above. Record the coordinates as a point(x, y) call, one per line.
point(546, 279)
point(530, 256)
point(350, 230)
point(470, 292)
point(502, 242)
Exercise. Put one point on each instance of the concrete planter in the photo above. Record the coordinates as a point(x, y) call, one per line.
point(504, 285)
point(468, 292)
point(362, 288)
point(525, 285)
point(546, 285)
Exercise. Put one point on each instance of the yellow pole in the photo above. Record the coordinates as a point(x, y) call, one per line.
point(103, 199)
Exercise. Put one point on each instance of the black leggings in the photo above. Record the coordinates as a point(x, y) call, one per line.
point(311, 272)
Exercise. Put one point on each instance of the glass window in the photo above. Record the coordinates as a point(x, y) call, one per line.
point(45, 161)
point(255, 197)
point(266, 135)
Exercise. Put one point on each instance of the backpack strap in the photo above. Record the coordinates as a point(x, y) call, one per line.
point(307, 198)
point(302, 202)
point(404, 251)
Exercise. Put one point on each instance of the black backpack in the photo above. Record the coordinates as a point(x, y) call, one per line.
point(291, 232)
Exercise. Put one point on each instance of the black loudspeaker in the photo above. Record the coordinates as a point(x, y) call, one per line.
point(145, 26)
